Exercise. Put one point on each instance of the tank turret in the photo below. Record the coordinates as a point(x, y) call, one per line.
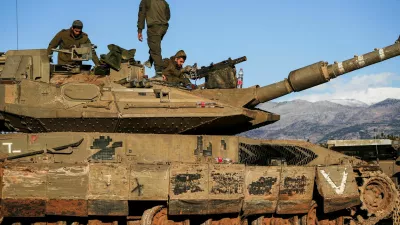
point(37, 96)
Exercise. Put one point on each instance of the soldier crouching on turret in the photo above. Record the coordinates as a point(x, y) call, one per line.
point(173, 72)
point(68, 38)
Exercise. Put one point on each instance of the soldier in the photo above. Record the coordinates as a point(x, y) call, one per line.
point(173, 70)
point(157, 14)
point(66, 39)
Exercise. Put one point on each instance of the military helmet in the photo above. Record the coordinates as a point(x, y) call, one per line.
point(180, 54)
point(77, 24)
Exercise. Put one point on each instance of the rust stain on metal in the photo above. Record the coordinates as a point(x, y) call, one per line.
point(25, 180)
point(23, 207)
point(67, 181)
point(224, 221)
point(99, 222)
point(161, 218)
point(293, 207)
point(67, 207)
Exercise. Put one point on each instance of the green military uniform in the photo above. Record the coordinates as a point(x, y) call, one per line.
point(172, 72)
point(156, 13)
point(66, 40)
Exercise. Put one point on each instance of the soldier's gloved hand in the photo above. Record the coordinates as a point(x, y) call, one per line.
point(50, 58)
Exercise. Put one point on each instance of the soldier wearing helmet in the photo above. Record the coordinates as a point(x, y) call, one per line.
point(173, 70)
point(68, 38)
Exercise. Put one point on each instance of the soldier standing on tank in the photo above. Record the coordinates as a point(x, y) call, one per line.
point(68, 38)
point(156, 13)
point(174, 72)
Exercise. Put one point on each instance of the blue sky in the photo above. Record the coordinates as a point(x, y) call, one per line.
point(276, 36)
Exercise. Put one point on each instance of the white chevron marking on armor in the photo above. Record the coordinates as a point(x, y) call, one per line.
point(339, 190)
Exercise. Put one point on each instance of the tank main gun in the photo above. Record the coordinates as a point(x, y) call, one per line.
point(319, 73)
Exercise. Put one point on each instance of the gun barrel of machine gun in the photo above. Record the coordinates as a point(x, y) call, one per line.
point(205, 70)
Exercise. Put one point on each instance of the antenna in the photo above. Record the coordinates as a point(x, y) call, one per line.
point(16, 13)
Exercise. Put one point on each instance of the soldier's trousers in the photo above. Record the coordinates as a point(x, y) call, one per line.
point(155, 34)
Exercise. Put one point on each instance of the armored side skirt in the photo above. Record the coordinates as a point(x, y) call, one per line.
point(84, 189)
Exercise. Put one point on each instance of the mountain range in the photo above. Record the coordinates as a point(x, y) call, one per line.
point(333, 119)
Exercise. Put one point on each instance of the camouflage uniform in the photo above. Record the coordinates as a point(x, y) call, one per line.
point(172, 72)
point(66, 40)
point(156, 13)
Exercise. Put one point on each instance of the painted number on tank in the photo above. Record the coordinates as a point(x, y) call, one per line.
point(8, 145)
point(338, 189)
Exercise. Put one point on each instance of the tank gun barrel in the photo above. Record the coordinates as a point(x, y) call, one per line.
point(321, 72)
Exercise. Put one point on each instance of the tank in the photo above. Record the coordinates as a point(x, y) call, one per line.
point(109, 145)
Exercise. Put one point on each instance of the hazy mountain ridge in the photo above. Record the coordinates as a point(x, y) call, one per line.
point(324, 120)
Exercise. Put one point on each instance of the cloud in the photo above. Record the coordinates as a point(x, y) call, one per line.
point(366, 88)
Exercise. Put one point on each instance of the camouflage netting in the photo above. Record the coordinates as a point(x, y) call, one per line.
point(223, 78)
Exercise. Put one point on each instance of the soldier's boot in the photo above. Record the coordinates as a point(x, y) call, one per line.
point(158, 76)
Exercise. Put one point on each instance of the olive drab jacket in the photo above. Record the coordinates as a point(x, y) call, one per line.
point(66, 40)
point(154, 12)
point(173, 73)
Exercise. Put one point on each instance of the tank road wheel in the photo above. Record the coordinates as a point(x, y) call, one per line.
point(337, 221)
point(225, 221)
point(148, 215)
point(378, 196)
point(311, 217)
point(158, 216)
